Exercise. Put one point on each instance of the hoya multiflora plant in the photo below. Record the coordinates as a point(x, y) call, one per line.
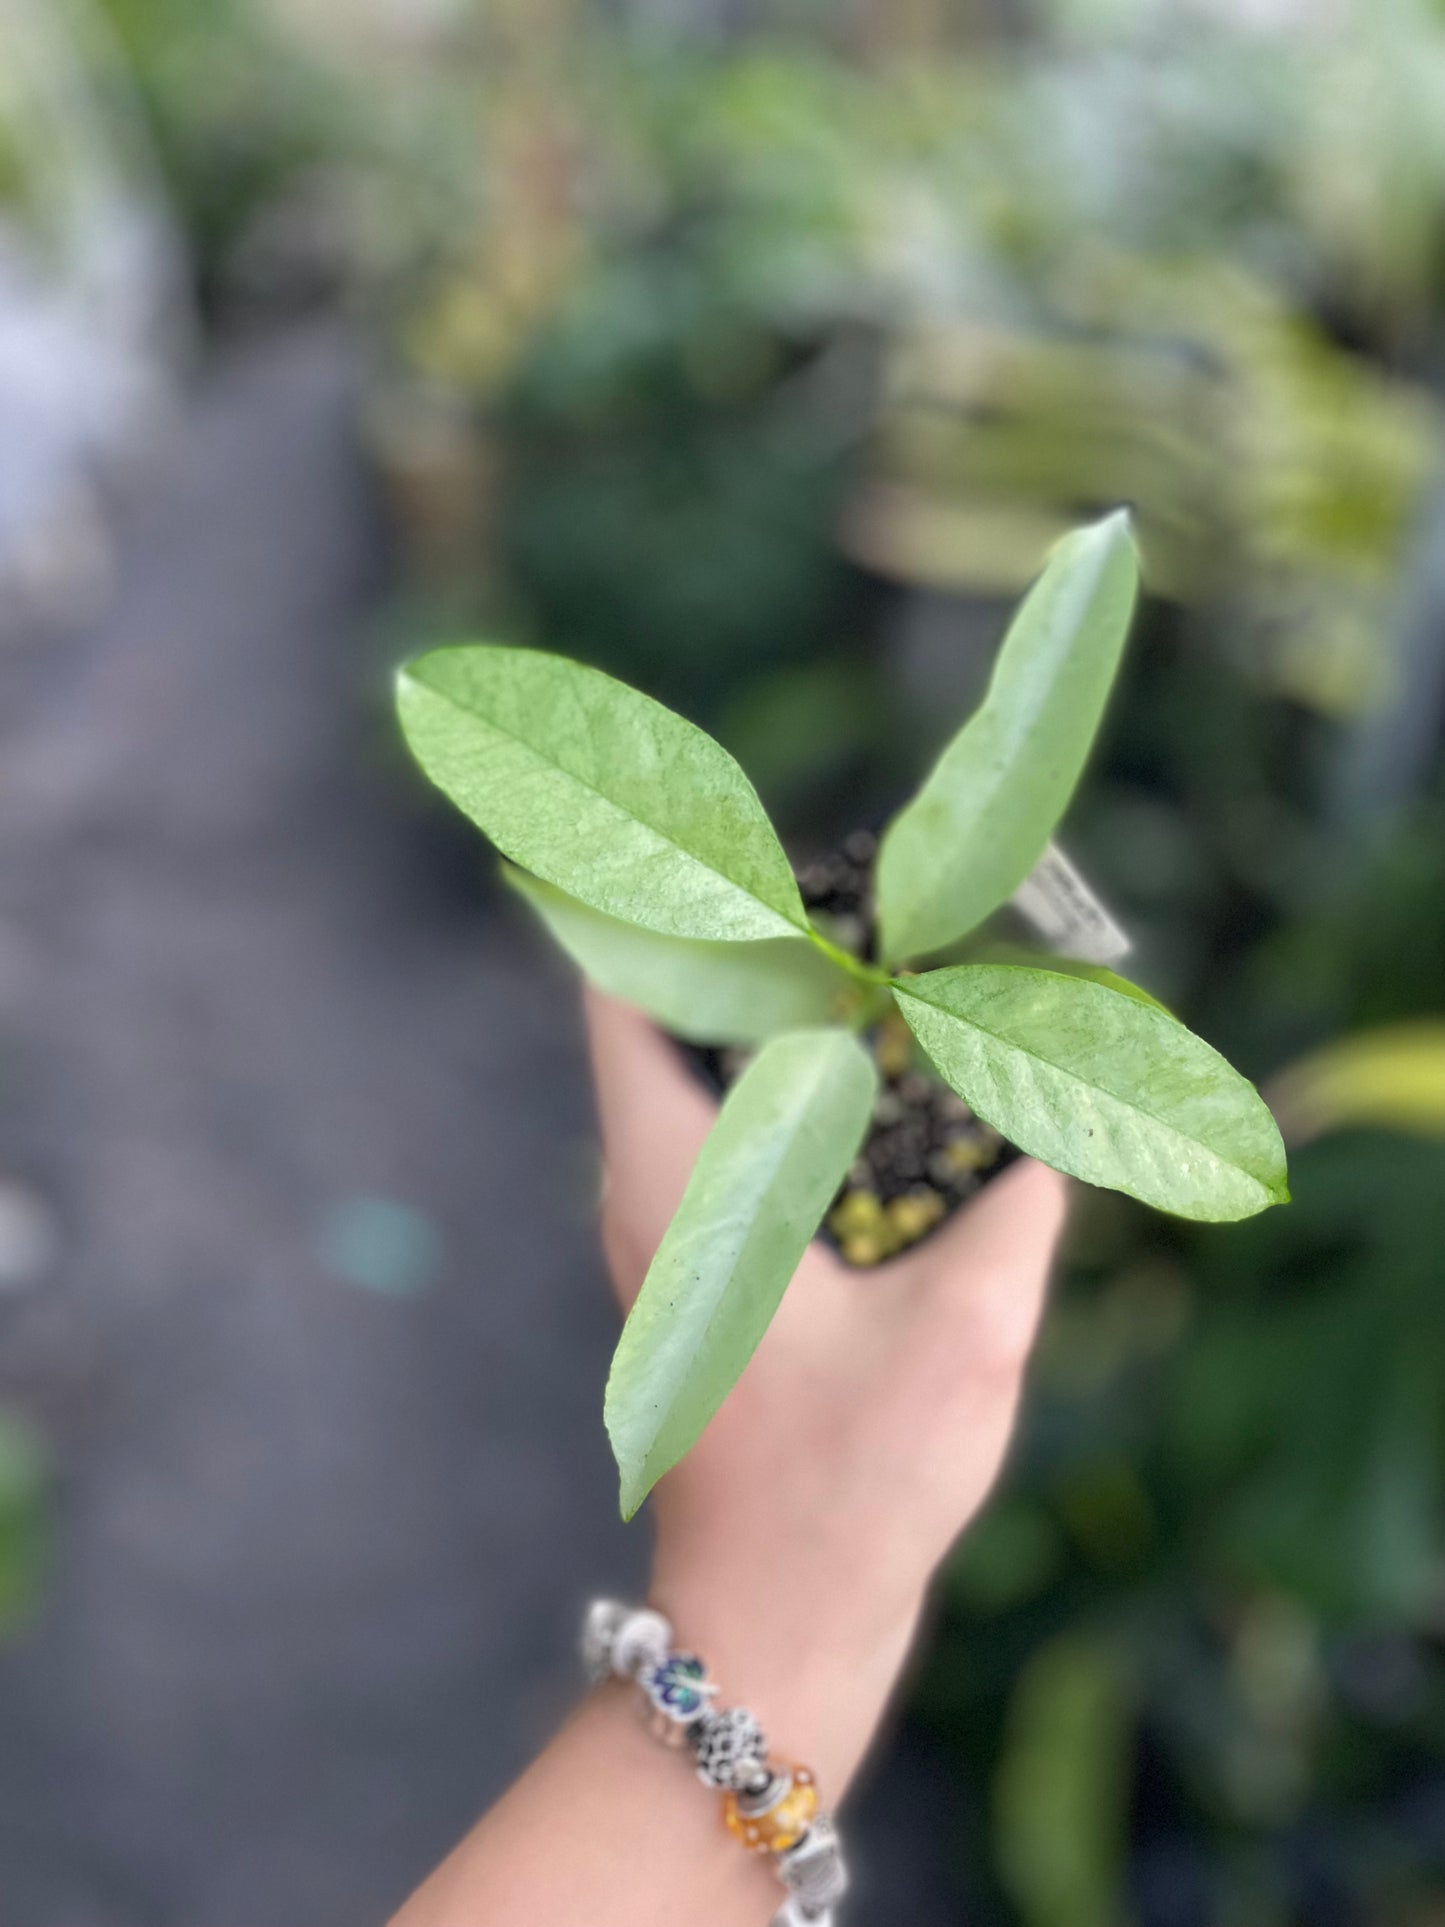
point(646, 851)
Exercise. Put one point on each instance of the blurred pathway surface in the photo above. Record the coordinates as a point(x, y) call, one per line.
point(320, 1543)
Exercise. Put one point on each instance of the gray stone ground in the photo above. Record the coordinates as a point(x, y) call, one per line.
point(319, 1548)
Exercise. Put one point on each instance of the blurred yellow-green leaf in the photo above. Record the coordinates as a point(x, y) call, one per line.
point(22, 1522)
point(1061, 1792)
point(1389, 1079)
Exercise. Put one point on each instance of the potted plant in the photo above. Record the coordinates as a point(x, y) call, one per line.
point(647, 852)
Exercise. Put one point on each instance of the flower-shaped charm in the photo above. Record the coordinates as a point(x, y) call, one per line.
point(678, 1687)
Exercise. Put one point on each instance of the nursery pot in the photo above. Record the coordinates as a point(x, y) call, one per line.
point(925, 1154)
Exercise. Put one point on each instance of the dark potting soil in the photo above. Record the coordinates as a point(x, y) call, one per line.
point(926, 1153)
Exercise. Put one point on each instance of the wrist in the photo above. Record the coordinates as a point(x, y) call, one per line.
point(815, 1664)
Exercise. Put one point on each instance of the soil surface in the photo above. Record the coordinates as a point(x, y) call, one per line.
point(925, 1154)
point(321, 1353)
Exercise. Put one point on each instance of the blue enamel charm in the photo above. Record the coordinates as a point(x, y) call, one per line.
point(679, 1687)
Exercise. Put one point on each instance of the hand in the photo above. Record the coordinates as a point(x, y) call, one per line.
point(796, 1540)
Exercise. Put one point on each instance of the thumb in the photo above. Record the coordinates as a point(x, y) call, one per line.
point(654, 1117)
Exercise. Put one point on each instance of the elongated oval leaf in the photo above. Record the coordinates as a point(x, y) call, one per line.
point(979, 824)
point(1063, 1785)
point(713, 993)
point(601, 791)
point(1101, 1085)
point(784, 1137)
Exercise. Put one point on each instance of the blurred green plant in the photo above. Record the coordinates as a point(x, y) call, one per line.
point(732, 351)
point(1221, 1552)
point(1393, 1077)
point(652, 333)
point(248, 127)
point(1061, 1802)
point(692, 356)
point(22, 1522)
point(1277, 475)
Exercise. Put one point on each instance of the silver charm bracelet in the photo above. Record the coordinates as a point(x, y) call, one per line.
point(769, 1806)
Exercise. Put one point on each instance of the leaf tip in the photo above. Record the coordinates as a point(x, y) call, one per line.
point(1113, 534)
point(1274, 1190)
point(1277, 1182)
point(630, 1494)
point(633, 1483)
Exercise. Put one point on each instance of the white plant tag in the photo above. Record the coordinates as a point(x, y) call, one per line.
point(1066, 914)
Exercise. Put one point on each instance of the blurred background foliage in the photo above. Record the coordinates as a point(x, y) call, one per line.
point(22, 1521)
point(757, 354)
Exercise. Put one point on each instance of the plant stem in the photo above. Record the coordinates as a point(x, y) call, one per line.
point(855, 967)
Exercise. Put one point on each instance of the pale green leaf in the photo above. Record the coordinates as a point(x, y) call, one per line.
point(783, 1140)
point(1110, 979)
point(1101, 1085)
point(600, 790)
point(979, 824)
point(712, 993)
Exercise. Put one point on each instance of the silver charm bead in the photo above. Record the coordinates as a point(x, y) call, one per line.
point(599, 1630)
point(642, 1640)
point(814, 1870)
point(793, 1913)
point(763, 1792)
point(730, 1749)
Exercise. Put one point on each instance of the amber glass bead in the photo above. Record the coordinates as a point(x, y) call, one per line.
point(781, 1825)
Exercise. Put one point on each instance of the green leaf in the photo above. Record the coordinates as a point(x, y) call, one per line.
point(1030, 959)
point(1110, 979)
point(1391, 1079)
point(1101, 1085)
point(979, 824)
point(1061, 1793)
point(713, 993)
point(22, 1521)
point(783, 1140)
point(601, 791)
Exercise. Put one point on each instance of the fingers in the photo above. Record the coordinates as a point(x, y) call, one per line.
point(988, 1269)
point(654, 1116)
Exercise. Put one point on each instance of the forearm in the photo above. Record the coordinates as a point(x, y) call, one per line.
point(611, 1828)
point(606, 1827)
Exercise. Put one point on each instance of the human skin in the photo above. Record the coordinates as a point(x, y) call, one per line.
point(795, 1543)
